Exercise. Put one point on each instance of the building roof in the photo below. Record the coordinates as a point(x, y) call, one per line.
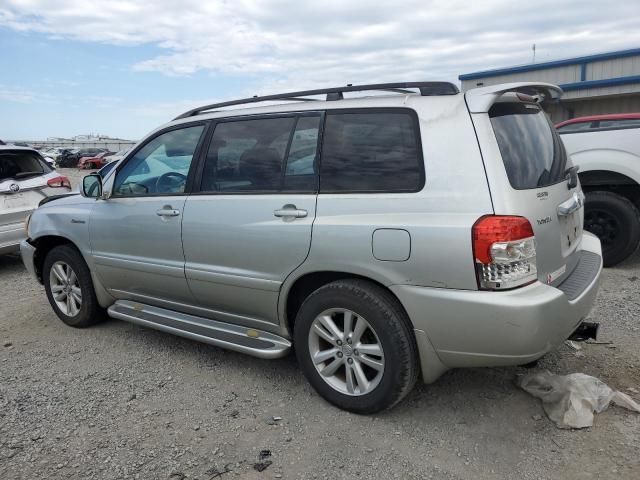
point(556, 63)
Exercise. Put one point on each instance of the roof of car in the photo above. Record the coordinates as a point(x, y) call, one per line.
point(595, 118)
point(16, 147)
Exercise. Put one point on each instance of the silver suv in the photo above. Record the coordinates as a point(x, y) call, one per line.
point(387, 237)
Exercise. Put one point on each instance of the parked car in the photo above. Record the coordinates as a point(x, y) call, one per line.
point(25, 180)
point(71, 158)
point(386, 237)
point(96, 161)
point(68, 158)
point(607, 150)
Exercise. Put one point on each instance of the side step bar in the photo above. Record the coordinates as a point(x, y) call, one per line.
point(233, 337)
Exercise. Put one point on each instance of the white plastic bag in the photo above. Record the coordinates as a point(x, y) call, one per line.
point(571, 400)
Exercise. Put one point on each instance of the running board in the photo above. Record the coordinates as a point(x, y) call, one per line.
point(226, 335)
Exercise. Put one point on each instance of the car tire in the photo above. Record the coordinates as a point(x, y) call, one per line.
point(67, 281)
point(388, 340)
point(615, 220)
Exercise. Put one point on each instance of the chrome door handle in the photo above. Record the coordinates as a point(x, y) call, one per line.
point(574, 203)
point(290, 211)
point(167, 211)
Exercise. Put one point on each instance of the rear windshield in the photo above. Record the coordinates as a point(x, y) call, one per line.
point(21, 164)
point(531, 149)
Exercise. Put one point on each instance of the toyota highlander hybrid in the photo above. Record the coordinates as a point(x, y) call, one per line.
point(385, 237)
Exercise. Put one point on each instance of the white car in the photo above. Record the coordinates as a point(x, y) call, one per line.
point(25, 180)
point(607, 150)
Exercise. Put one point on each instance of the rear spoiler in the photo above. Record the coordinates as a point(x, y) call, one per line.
point(479, 100)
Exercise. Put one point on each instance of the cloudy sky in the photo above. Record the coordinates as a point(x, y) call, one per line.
point(121, 67)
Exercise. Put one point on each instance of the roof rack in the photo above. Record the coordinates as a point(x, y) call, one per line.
point(336, 93)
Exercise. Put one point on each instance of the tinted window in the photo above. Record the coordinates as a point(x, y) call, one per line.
point(622, 123)
point(263, 155)
point(370, 152)
point(575, 127)
point(161, 166)
point(19, 164)
point(531, 149)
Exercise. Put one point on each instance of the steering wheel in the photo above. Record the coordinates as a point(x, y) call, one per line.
point(171, 182)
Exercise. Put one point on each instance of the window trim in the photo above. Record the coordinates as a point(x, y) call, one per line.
point(419, 152)
point(192, 167)
point(197, 186)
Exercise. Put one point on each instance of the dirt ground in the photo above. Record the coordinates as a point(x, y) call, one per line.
point(118, 401)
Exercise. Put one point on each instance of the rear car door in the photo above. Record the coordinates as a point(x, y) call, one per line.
point(249, 226)
point(530, 175)
point(136, 235)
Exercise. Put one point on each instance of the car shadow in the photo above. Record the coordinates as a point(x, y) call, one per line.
point(11, 263)
point(630, 263)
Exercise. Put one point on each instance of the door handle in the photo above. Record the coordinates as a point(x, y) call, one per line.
point(290, 211)
point(167, 211)
point(574, 203)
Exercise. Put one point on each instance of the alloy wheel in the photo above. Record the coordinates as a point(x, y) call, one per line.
point(65, 288)
point(346, 351)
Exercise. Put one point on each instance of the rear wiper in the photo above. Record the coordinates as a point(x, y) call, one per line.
point(571, 174)
point(26, 174)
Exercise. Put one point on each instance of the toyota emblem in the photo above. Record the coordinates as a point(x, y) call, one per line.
point(14, 187)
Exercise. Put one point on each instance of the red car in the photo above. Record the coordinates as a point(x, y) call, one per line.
point(99, 161)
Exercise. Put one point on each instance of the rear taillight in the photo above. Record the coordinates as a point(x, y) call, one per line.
point(58, 182)
point(504, 251)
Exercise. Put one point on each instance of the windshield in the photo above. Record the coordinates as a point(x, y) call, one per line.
point(21, 164)
point(531, 149)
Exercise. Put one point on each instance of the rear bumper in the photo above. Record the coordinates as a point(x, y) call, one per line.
point(477, 329)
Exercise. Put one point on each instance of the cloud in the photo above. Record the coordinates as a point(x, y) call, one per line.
point(294, 44)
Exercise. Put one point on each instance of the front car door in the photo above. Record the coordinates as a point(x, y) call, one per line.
point(249, 226)
point(136, 233)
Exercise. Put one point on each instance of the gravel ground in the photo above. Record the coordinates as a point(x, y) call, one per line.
point(118, 401)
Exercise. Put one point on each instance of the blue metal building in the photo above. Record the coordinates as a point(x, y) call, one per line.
point(593, 84)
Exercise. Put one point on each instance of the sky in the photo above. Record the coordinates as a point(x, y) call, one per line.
point(122, 68)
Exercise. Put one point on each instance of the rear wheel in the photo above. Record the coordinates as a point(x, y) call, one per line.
point(356, 347)
point(615, 220)
point(69, 288)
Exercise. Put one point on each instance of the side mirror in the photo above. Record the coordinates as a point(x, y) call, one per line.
point(92, 186)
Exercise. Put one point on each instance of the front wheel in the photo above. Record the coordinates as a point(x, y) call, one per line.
point(67, 281)
point(355, 345)
point(615, 220)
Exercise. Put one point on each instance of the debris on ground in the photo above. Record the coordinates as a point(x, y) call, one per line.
point(263, 460)
point(571, 400)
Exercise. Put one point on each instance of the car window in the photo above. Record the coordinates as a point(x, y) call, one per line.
point(161, 166)
point(532, 151)
point(621, 123)
point(250, 156)
point(575, 127)
point(370, 152)
point(17, 164)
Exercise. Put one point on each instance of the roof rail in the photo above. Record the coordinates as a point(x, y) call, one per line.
point(336, 93)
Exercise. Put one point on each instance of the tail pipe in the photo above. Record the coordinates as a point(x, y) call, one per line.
point(585, 331)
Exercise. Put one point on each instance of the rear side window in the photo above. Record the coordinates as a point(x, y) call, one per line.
point(371, 152)
point(531, 149)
